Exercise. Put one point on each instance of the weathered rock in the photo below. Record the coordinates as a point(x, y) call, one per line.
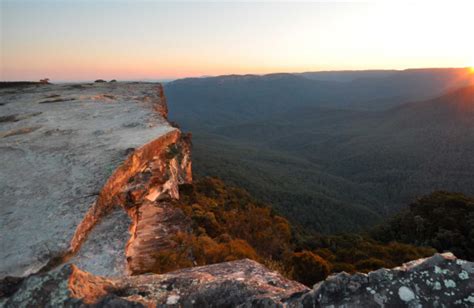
point(226, 284)
point(438, 281)
point(153, 232)
point(66, 165)
point(64, 286)
point(103, 252)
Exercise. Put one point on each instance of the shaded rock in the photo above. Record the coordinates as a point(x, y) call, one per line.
point(438, 281)
point(226, 284)
point(100, 81)
point(103, 252)
point(9, 118)
point(9, 285)
point(57, 100)
point(65, 286)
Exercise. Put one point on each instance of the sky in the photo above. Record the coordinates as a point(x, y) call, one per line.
point(137, 40)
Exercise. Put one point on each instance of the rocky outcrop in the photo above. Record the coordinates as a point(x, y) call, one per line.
point(439, 281)
point(78, 163)
point(227, 284)
point(141, 186)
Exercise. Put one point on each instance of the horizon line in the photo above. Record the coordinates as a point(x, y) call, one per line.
point(169, 79)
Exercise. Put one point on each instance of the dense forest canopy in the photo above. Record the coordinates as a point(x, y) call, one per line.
point(229, 224)
point(332, 151)
point(442, 220)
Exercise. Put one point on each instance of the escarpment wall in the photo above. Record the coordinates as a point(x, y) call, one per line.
point(77, 162)
point(141, 188)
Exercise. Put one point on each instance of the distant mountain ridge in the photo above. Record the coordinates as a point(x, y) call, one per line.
point(253, 95)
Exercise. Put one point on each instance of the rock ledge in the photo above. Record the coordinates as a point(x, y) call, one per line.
point(438, 281)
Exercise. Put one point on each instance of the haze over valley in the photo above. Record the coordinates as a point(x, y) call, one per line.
point(333, 151)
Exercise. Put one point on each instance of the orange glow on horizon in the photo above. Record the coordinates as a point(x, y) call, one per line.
point(166, 40)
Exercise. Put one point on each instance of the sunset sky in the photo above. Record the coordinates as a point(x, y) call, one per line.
point(86, 40)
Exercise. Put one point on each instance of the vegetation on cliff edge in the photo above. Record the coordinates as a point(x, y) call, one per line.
point(229, 224)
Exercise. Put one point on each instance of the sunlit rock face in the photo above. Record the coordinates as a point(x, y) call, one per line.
point(70, 156)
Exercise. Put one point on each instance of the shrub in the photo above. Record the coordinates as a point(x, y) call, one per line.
point(309, 268)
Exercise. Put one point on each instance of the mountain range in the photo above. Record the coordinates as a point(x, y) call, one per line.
point(333, 151)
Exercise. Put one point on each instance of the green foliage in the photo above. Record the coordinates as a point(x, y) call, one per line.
point(441, 220)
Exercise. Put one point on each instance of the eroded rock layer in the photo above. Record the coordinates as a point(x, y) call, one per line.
point(141, 187)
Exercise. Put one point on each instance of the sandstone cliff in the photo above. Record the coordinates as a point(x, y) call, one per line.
point(88, 173)
point(85, 169)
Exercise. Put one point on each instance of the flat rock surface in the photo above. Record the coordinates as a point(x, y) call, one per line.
point(58, 146)
point(227, 284)
point(104, 252)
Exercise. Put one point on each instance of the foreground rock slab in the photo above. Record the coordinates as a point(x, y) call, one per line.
point(229, 284)
point(59, 145)
point(439, 281)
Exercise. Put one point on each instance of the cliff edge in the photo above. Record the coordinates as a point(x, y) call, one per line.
point(81, 166)
point(88, 176)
